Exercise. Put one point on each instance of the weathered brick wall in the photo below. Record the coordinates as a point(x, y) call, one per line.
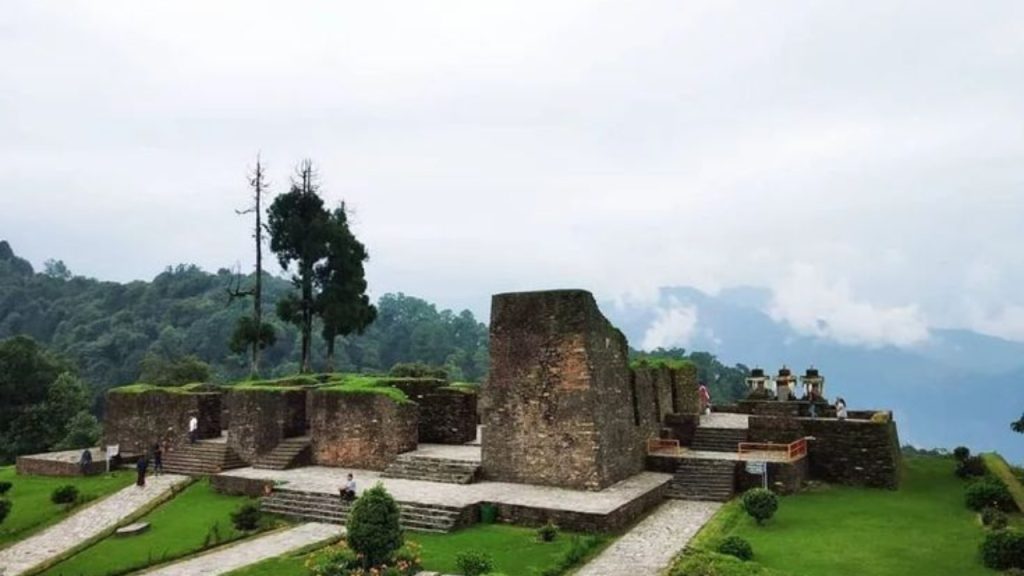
point(783, 478)
point(46, 465)
point(446, 416)
point(646, 411)
point(852, 452)
point(560, 408)
point(665, 392)
point(262, 417)
point(137, 420)
point(685, 383)
point(682, 427)
point(361, 430)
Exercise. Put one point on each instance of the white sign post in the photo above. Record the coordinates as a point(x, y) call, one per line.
point(759, 467)
point(112, 450)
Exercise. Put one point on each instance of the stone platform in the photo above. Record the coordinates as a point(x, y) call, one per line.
point(608, 510)
point(62, 463)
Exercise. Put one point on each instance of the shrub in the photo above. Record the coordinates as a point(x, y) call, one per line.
point(408, 559)
point(373, 527)
point(5, 487)
point(66, 494)
point(474, 563)
point(337, 560)
point(880, 417)
point(5, 509)
point(1003, 549)
point(547, 532)
point(970, 467)
point(987, 493)
point(418, 370)
point(247, 517)
point(760, 504)
point(994, 518)
point(736, 546)
point(961, 453)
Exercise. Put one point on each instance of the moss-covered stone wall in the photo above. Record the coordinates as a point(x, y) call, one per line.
point(262, 417)
point(136, 417)
point(361, 429)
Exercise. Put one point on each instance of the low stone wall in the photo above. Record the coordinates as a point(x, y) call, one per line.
point(616, 521)
point(239, 486)
point(262, 417)
point(783, 477)
point(62, 464)
point(137, 420)
point(361, 430)
point(446, 415)
point(682, 427)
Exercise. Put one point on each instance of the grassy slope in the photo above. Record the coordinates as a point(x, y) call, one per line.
point(177, 528)
point(998, 467)
point(924, 528)
point(515, 551)
point(31, 497)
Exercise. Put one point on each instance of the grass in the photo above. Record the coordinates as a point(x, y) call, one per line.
point(140, 388)
point(181, 527)
point(33, 510)
point(516, 551)
point(998, 467)
point(363, 384)
point(923, 528)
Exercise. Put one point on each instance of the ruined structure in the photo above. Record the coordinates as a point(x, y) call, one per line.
point(139, 416)
point(360, 429)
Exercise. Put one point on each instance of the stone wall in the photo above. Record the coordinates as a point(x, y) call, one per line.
point(361, 430)
point(851, 452)
point(262, 417)
point(585, 522)
point(783, 477)
point(681, 427)
point(685, 385)
point(137, 420)
point(446, 415)
point(645, 403)
point(560, 407)
point(63, 463)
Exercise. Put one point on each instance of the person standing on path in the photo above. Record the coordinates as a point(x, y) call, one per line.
point(158, 459)
point(140, 472)
point(193, 429)
point(705, 399)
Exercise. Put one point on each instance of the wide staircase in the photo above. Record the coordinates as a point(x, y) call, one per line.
point(704, 479)
point(290, 453)
point(203, 458)
point(430, 469)
point(718, 439)
point(319, 507)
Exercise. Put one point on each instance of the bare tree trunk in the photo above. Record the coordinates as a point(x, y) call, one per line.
point(257, 309)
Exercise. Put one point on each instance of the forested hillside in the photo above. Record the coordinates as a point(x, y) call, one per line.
point(106, 329)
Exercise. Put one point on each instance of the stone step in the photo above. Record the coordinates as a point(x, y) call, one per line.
point(703, 479)
point(201, 459)
point(432, 469)
point(718, 439)
point(289, 453)
point(330, 508)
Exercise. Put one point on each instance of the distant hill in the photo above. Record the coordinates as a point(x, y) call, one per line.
point(959, 387)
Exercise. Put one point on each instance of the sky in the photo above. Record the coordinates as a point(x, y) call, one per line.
point(862, 160)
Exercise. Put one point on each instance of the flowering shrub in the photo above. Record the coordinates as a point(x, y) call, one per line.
point(341, 560)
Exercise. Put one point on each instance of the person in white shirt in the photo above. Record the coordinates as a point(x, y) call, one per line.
point(348, 491)
point(193, 429)
point(840, 408)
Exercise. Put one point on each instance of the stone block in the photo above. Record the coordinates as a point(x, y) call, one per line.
point(361, 430)
point(262, 417)
point(137, 420)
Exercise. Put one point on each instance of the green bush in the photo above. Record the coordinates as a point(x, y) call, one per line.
point(988, 493)
point(705, 563)
point(994, 518)
point(970, 467)
point(247, 517)
point(961, 453)
point(736, 546)
point(5, 487)
point(5, 509)
point(373, 527)
point(418, 370)
point(547, 532)
point(66, 494)
point(474, 562)
point(760, 504)
point(1003, 549)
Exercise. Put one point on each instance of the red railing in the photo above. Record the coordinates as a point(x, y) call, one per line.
point(655, 445)
point(793, 450)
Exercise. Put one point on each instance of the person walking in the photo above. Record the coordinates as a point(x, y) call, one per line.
point(158, 459)
point(193, 429)
point(705, 399)
point(140, 472)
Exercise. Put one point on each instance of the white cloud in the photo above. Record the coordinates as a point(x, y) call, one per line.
point(805, 300)
point(673, 327)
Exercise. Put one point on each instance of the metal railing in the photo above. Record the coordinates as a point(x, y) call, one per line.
point(792, 451)
point(656, 445)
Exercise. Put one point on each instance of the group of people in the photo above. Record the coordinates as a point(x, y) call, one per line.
point(155, 454)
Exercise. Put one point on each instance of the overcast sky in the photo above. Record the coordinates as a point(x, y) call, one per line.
point(865, 160)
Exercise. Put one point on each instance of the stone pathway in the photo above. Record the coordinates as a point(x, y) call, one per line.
point(86, 524)
point(650, 546)
point(237, 556)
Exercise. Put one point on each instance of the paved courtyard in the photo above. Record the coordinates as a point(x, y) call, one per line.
point(84, 525)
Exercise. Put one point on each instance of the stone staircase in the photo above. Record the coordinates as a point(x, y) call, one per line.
point(430, 469)
point(320, 507)
point(704, 479)
point(290, 453)
point(201, 459)
point(718, 439)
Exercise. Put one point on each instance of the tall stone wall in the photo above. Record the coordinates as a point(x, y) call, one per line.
point(646, 410)
point(685, 383)
point(446, 415)
point(560, 406)
point(262, 417)
point(361, 430)
point(137, 420)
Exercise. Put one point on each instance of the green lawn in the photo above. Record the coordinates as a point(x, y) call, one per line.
point(515, 551)
point(924, 528)
point(178, 528)
point(33, 510)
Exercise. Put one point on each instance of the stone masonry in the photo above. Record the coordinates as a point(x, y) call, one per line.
point(262, 417)
point(137, 420)
point(446, 415)
point(361, 430)
point(560, 404)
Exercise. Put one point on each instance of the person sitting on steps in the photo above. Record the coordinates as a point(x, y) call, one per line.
point(348, 491)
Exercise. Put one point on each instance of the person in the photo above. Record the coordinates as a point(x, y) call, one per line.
point(140, 471)
point(840, 408)
point(705, 399)
point(84, 461)
point(158, 459)
point(193, 429)
point(348, 491)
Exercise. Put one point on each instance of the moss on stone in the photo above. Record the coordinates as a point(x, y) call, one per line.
point(141, 388)
point(364, 384)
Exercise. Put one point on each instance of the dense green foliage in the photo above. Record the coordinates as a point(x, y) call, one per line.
point(760, 504)
point(474, 562)
point(66, 494)
point(994, 518)
point(1003, 549)
point(922, 528)
point(5, 509)
point(726, 384)
point(373, 527)
point(30, 496)
point(997, 466)
point(736, 546)
point(988, 492)
point(970, 467)
point(246, 518)
point(706, 563)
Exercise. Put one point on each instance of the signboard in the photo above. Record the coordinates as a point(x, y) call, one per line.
point(112, 450)
point(755, 467)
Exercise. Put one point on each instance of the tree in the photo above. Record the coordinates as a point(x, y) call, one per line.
point(56, 269)
point(298, 225)
point(160, 370)
point(374, 530)
point(26, 372)
point(83, 431)
point(342, 303)
point(254, 333)
point(1018, 426)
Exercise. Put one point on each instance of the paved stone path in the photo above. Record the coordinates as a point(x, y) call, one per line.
point(650, 546)
point(237, 556)
point(84, 525)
